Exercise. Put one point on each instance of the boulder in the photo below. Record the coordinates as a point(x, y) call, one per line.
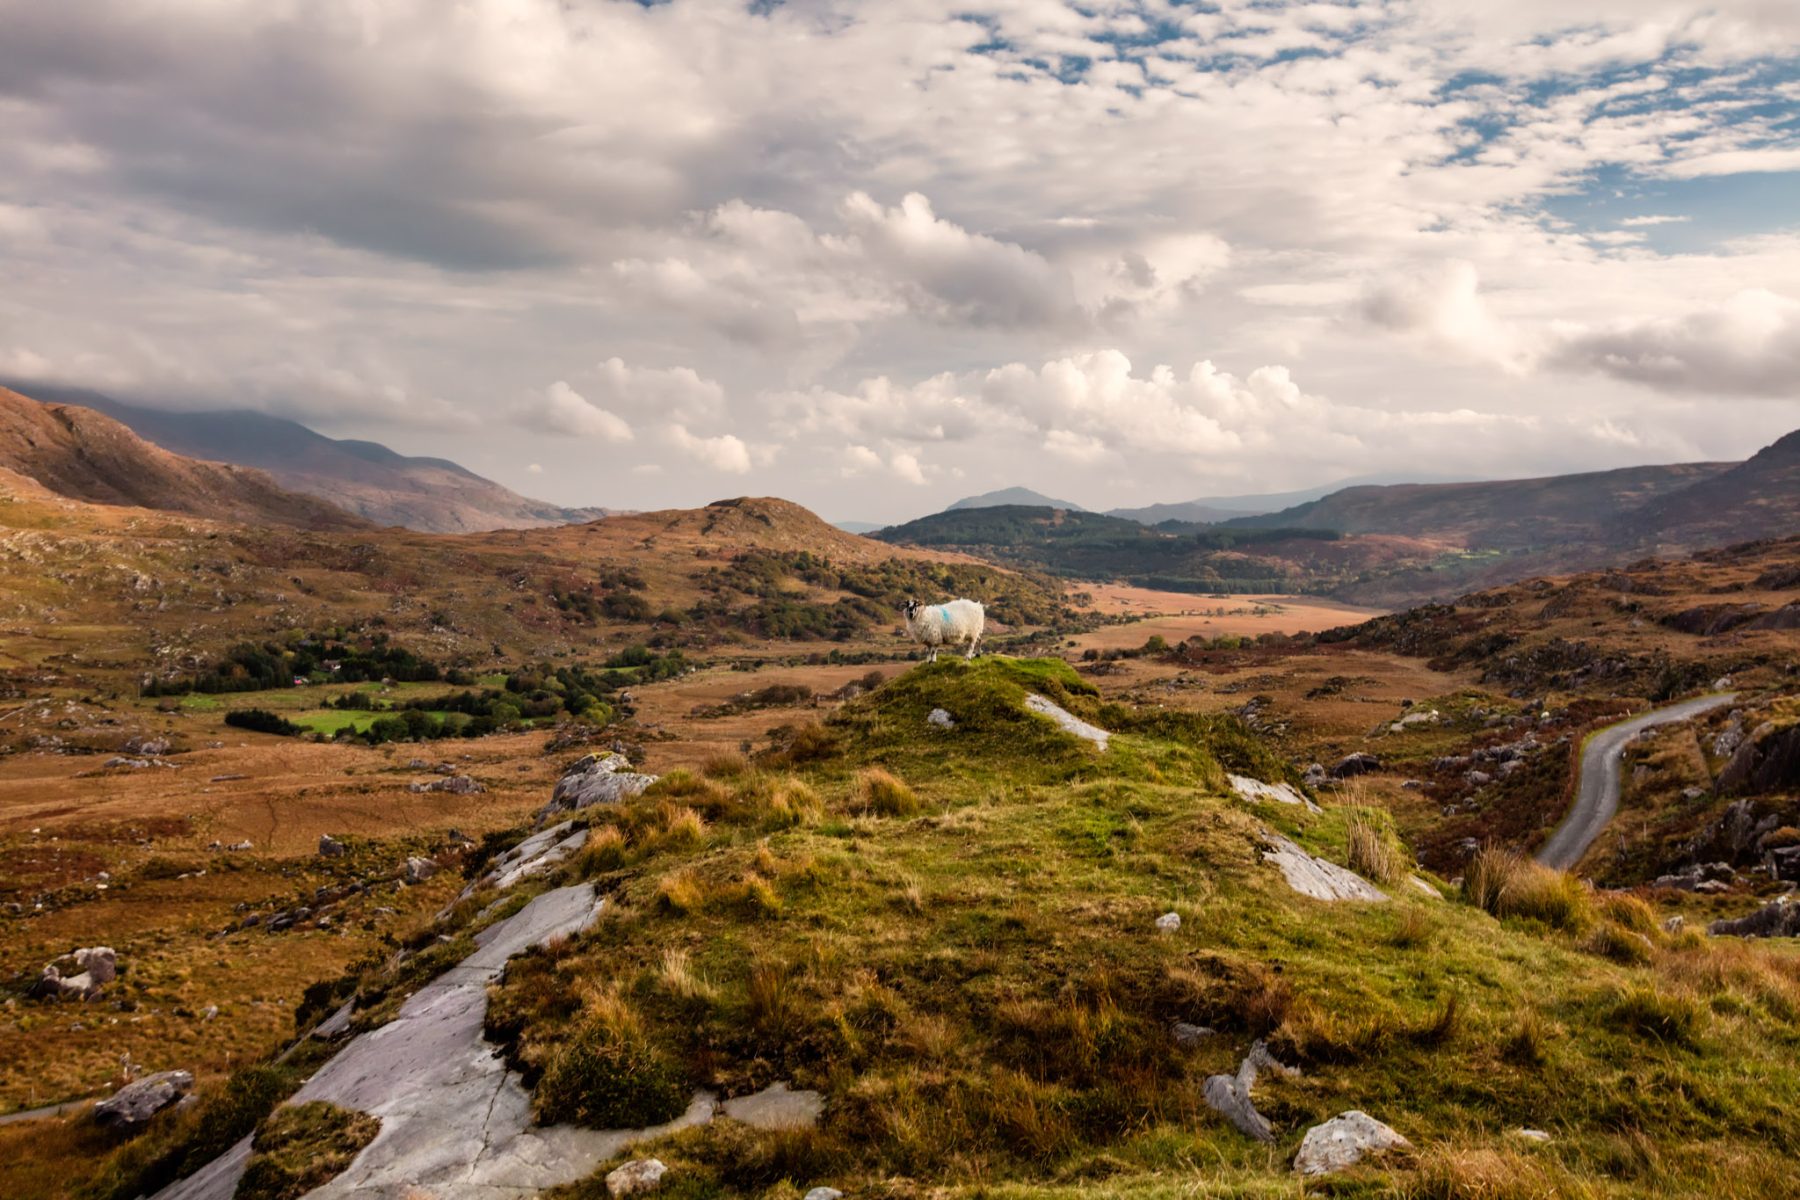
point(99, 963)
point(1315, 775)
point(129, 1108)
point(637, 1177)
point(823, 1193)
point(1778, 918)
point(1188, 1035)
point(1767, 761)
point(154, 747)
point(418, 870)
point(1344, 1141)
point(1169, 922)
point(330, 847)
point(940, 719)
point(1352, 765)
point(595, 779)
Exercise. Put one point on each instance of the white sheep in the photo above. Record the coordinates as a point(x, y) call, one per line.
point(936, 625)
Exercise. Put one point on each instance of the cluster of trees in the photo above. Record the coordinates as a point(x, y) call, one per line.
point(312, 658)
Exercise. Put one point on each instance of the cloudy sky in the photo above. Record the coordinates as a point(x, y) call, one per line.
point(873, 256)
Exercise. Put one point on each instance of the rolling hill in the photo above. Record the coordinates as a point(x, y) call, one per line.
point(1510, 514)
point(1013, 497)
point(1758, 498)
point(84, 455)
point(432, 495)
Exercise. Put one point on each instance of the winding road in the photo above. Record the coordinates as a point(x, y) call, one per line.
point(1597, 786)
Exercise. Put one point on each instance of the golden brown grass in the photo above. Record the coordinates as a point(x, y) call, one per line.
point(1507, 884)
point(882, 793)
point(1372, 851)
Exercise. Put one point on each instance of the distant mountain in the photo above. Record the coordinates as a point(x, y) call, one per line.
point(1510, 514)
point(1013, 497)
point(1207, 509)
point(859, 527)
point(430, 494)
point(1757, 498)
point(85, 455)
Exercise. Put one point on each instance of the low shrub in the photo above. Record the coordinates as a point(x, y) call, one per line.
point(606, 1074)
point(261, 720)
point(299, 1147)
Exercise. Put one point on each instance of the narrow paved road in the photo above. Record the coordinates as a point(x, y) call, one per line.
point(1597, 787)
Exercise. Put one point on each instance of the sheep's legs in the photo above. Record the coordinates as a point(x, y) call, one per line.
point(971, 653)
point(932, 657)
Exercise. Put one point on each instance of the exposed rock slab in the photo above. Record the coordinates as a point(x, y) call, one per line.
point(1778, 918)
point(1344, 1141)
point(455, 1122)
point(1313, 876)
point(1255, 791)
point(1067, 721)
point(775, 1107)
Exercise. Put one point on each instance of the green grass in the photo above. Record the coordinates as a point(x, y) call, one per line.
point(330, 721)
point(297, 1148)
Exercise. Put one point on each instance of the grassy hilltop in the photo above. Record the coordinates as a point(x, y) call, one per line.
point(951, 934)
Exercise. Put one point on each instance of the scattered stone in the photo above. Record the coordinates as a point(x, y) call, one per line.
point(1315, 775)
point(1066, 721)
point(330, 847)
point(595, 779)
point(942, 720)
point(418, 870)
point(638, 1176)
point(1169, 922)
point(1253, 791)
point(150, 747)
point(1312, 876)
point(1532, 1135)
point(457, 785)
point(119, 760)
point(1343, 1142)
point(127, 1109)
point(1355, 764)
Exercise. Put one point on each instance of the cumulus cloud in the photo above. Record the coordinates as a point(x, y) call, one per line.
point(901, 464)
point(1442, 305)
point(560, 409)
point(726, 452)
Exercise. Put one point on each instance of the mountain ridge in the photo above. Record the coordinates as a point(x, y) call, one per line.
point(432, 495)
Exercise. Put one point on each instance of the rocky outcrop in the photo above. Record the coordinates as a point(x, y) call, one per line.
point(1352, 765)
point(596, 779)
point(1768, 760)
point(1344, 1141)
point(636, 1178)
point(1778, 918)
point(77, 975)
point(1313, 876)
point(130, 1108)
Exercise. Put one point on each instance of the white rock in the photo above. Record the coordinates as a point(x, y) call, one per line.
point(418, 870)
point(824, 1193)
point(1343, 1142)
point(943, 720)
point(1532, 1135)
point(639, 1175)
point(1254, 791)
point(1169, 922)
point(1311, 876)
point(596, 779)
point(775, 1107)
point(1423, 887)
point(1190, 1035)
point(1067, 721)
point(138, 1101)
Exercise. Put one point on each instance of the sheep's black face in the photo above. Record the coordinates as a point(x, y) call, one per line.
point(910, 608)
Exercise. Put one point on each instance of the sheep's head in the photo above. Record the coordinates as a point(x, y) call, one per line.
point(910, 609)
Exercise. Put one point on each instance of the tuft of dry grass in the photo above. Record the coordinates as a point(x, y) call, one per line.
point(604, 851)
point(1529, 1043)
point(1507, 884)
point(677, 975)
point(1372, 853)
point(1629, 912)
point(680, 892)
point(884, 794)
point(1669, 1015)
point(1621, 945)
point(683, 828)
point(724, 766)
point(1413, 930)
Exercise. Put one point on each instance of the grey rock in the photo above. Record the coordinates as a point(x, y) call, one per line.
point(596, 779)
point(1315, 775)
point(1532, 1135)
point(776, 1107)
point(129, 1108)
point(1229, 1095)
point(1778, 918)
point(1344, 1141)
point(1478, 778)
point(1312, 876)
point(246, 844)
point(1066, 721)
point(1188, 1035)
point(823, 1193)
point(330, 847)
point(152, 747)
point(418, 870)
point(1254, 791)
point(941, 719)
point(1169, 922)
point(1355, 764)
point(1675, 924)
point(636, 1177)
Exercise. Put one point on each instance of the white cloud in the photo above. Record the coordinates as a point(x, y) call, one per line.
point(726, 452)
point(1749, 345)
point(560, 409)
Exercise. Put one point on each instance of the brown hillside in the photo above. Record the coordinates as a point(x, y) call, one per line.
point(81, 454)
point(1758, 498)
